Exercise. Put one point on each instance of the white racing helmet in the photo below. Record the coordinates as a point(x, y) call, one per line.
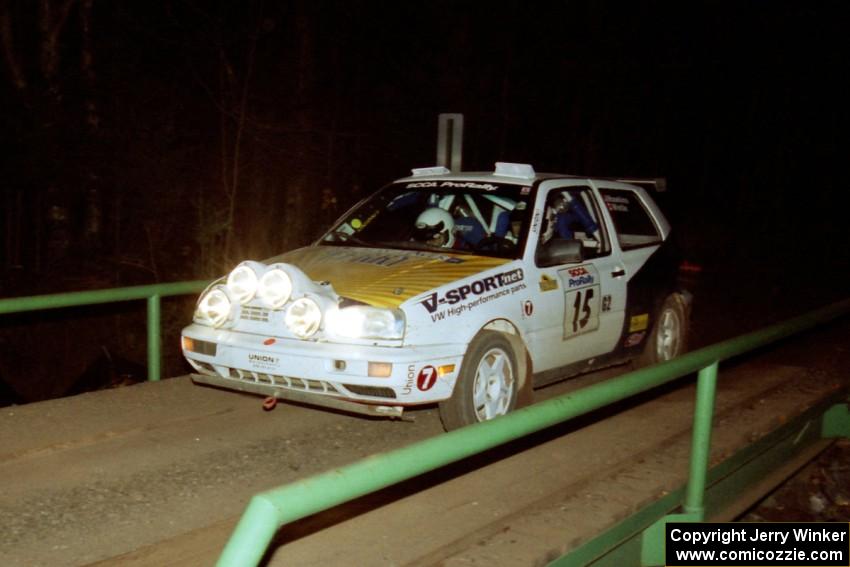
point(435, 223)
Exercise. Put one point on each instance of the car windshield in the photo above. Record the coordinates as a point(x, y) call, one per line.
point(473, 217)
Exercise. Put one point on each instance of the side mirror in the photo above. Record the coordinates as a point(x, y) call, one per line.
point(558, 251)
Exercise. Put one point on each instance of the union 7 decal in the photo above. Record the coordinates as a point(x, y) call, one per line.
point(427, 378)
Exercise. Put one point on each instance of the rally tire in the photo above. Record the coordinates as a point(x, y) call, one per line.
point(669, 337)
point(487, 384)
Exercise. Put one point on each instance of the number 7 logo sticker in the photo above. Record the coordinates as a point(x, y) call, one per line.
point(427, 378)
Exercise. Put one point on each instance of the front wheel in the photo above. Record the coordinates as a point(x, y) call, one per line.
point(487, 385)
point(669, 337)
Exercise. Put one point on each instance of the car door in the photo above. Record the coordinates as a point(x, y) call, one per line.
point(641, 231)
point(581, 304)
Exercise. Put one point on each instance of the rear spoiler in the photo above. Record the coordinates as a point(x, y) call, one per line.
point(658, 183)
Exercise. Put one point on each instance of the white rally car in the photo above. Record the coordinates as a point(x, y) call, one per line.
point(465, 289)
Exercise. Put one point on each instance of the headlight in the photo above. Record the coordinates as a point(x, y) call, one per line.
point(242, 283)
point(275, 287)
point(214, 308)
point(303, 317)
point(363, 322)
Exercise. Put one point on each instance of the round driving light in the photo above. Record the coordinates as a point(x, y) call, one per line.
point(242, 283)
point(275, 287)
point(303, 317)
point(215, 307)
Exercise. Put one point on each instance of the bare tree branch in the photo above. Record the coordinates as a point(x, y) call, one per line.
point(18, 79)
point(51, 23)
point(237, 145)
point(87, 63)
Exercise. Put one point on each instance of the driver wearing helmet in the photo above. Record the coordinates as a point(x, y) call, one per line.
point(435, 227)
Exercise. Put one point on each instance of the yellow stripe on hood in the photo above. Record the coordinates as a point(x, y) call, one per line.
point(382, 277)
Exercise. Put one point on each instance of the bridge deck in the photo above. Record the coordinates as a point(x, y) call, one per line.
point(159, 473)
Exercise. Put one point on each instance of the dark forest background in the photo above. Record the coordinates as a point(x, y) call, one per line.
point(163, 141)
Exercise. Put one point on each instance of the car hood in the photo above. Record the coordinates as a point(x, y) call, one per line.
point(384, 277)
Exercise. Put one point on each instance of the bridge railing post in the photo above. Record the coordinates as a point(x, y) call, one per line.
point(693, 507)
point(154, 341)
point(701, 440)
point(836, 422)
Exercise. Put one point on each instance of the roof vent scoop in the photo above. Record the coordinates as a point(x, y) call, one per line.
point(436, 170)
point(520, 170)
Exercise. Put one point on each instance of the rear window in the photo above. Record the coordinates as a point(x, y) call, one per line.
point(635, 227)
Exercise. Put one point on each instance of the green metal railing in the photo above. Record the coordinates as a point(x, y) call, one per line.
point(152, 293)
point(270, 510)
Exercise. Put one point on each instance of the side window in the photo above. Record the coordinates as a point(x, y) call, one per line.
point(634, 226)
point(571, 214)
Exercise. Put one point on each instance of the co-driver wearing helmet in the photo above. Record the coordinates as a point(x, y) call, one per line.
point(564, 210)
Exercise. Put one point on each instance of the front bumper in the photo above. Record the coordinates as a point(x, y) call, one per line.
point(320, 372)
point(297, 396)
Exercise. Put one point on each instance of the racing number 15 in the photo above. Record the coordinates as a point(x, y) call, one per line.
point(582, 311)
point(582, 306)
